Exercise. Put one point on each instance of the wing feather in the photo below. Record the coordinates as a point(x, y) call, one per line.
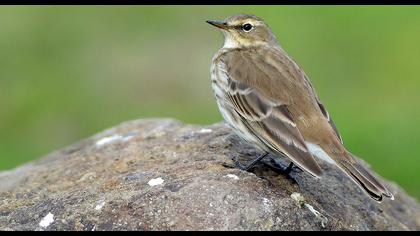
point(330, 121)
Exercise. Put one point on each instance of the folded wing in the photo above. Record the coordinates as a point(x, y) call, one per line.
point(268, 119)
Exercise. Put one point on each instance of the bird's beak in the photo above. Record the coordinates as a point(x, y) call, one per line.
point(218, 24)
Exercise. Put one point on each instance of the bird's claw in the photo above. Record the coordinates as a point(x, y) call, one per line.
point(239, 165)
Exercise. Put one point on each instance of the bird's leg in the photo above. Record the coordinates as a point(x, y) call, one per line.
point(277, 167)
point(285, 171)
point(288, 169)
point(251, 164)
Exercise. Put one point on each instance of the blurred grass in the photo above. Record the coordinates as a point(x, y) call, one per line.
point(68, 72)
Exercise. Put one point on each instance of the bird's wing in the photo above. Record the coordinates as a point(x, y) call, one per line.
point(268, 119)
point(322, 108)
point(330, 121)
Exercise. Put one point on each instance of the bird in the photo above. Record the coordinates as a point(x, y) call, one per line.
point(269, 101)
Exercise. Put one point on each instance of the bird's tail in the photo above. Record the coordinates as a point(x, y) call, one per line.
point(363, 178)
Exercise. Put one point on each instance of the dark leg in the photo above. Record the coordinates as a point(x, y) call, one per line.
point(250, 165)
point(288, 169)
point(278, 168)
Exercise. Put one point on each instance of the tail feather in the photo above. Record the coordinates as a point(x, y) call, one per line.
point(365, 179)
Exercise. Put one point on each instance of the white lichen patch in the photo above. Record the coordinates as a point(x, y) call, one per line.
point(266, 204)
point(322, 219)
point(112, 139)
point(205, 131)
point(299, 199)
point(126, 138)
point(87, 176)
point(232, 176)
point(47, 220)
point(266, 201)
point(154, 182)
point(99, 206)
point(109, 139)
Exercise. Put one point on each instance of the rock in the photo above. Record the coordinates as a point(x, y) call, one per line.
point(161, 174)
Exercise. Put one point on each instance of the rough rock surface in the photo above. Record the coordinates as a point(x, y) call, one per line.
point(161, 174)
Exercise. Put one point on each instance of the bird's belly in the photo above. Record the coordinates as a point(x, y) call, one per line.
point(233, 119)
point(220, 84)
point(239, 128)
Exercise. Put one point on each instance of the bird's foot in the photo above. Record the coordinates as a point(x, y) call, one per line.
point(284, 170)
point(278, 168)
point(238, 165)
point(228, 165)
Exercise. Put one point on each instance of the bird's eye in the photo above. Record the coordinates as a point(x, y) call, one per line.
point(247, 27)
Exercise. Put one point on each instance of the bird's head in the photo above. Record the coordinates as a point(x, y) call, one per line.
point(245, 30)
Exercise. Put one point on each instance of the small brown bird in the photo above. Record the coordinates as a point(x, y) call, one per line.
point(268, 101)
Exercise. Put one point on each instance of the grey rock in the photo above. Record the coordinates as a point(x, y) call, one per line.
point(160, 174)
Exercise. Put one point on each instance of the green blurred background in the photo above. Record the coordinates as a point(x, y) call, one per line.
point(68, 72)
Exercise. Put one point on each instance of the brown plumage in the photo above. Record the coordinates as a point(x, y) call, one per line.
point(268, 100)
